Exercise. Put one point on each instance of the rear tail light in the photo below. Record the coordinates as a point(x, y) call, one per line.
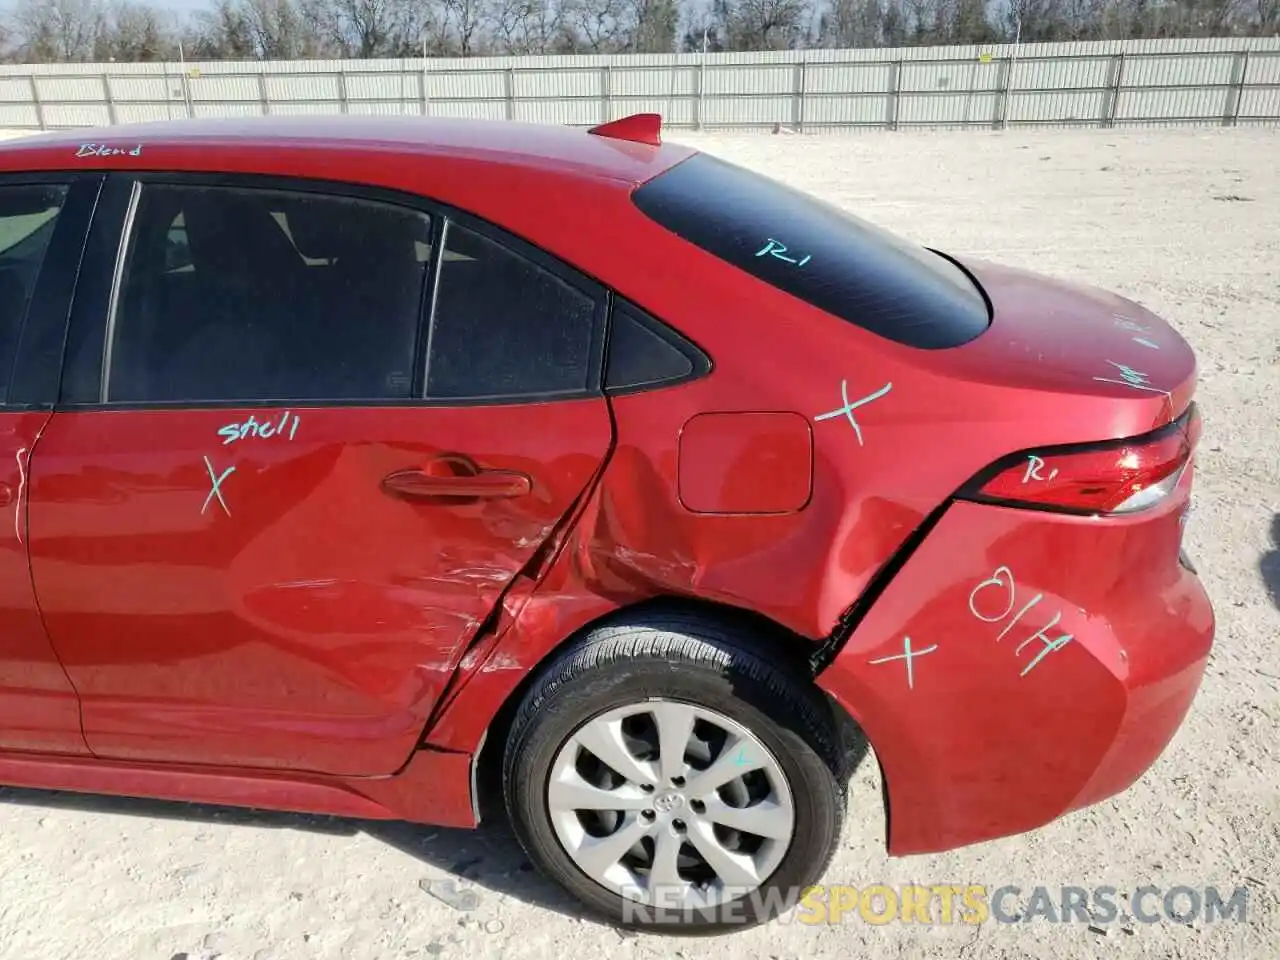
point(1114, 477)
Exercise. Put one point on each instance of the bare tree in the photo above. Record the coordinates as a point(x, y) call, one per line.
point(600, 26)
point(278, 29)
point(139, 30)
point(1262, 17)
point(463, 22)
point(220, 33)
point(761, 24)
point(133, 32)
point(369, 28)
point(852, 23)
point(58, 30)
point(654, 24)
point(531, 27)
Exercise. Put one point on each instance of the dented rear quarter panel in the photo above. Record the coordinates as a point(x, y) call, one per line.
point(928, 428)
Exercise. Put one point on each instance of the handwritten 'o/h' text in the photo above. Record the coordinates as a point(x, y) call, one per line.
point(1003, 579)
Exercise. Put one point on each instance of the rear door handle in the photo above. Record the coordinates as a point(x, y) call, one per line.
point(484, 484)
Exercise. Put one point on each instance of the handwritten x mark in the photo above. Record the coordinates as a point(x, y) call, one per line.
point(908, 654)
point(215, 490)
point(848, 408)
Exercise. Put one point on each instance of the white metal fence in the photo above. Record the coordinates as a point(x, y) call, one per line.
point(1224, 81)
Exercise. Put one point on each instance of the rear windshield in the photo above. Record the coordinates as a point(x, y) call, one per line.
point(817, 252)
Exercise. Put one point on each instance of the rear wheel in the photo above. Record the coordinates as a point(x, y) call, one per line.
point(671, 778)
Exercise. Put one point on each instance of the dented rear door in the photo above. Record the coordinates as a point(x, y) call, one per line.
point(256, 563)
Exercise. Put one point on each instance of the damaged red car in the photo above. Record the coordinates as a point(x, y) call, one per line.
point(411, 468)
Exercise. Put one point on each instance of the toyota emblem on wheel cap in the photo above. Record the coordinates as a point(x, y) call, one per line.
point(668, 802)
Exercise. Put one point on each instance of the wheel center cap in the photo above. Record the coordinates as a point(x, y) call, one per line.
point(668, 802)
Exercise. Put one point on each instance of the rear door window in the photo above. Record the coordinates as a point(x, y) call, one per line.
point(818, 253)
point(645, 353)
point(252, 294)
point(27, 216)
point(505, 327)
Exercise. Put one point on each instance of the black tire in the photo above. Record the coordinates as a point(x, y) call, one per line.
point(689, 657)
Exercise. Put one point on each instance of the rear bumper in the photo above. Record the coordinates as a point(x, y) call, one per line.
point(987, 722)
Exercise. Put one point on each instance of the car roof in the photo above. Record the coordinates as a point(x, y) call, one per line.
point(550, 148)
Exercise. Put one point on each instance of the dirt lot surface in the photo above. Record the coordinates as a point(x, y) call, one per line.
point(1185, 221)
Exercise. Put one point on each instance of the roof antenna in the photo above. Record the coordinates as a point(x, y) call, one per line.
point(638, 128)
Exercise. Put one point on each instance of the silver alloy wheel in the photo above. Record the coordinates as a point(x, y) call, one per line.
point(670, 804)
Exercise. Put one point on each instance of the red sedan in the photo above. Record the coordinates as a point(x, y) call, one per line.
point(384, 466)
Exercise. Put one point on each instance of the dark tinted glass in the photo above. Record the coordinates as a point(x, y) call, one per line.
point(253, 294)
point(643, 354)
point(27, 217)
point(504, 326)
point(817, 252)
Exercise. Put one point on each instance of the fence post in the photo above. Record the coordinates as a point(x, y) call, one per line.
point(422, 88)
point(606, 93)
point(1002, 113)
point(111, 104)
point(35, 99)
point(509, 81)
point(1235, 93)
point(798, 95)
point(1116, 86)
point(342, 92)
point(973, 79)
point(262, 92)
point(697, 102)
point(895, 94)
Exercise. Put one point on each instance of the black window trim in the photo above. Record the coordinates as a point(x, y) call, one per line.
point(107, 246)
point(32, 382)
point(117, 278)
point(700, 360)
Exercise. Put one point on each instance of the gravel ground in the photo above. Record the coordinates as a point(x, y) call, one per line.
point(1187, 222)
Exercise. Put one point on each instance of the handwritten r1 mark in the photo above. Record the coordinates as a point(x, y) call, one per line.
point(215, 489)
point(848, 408)
point(1034, 466)
point(778, 250)
point(908, 655)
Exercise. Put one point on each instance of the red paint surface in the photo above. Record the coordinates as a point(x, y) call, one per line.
point(638, 128)
point(38, 708)
point(975, 750)
point(318, 627)
point(314, 627)
point(746, 463)
point(434, 787)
